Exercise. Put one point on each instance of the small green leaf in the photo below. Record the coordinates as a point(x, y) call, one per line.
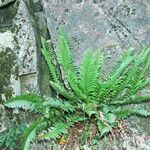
point(106, 109)
point(111, 117)
point(103, 128)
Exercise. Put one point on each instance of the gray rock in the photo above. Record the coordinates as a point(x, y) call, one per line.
point(5, 2)
point(27, 48)
point(114, 26)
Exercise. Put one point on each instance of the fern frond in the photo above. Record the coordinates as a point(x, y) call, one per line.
point(59, 104)
point(76, 119)
point(125, 112)
point(142, 64)
point(122, 65)
point(60, 128)
point(73, 82)
point(64, 55)
point(64, 58)
point(130, 81)
point(57, 130)
point(133, 100)
point(30, 133)
point(89, 72)
point(25, 101)
point(62, 91)
point(48, 54)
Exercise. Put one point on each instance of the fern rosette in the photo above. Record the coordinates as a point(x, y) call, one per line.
point(82, 94)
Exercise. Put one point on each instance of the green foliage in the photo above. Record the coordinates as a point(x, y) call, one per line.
point(89, 73)
point(9, 137)
point(30, 132)
point(48, 54)
point(60, 128)
point(82, 94)
point(26, 101)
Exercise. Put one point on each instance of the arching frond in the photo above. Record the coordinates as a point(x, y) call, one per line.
point(31, 132)
point(62, 91)
point(132, 100)
point(59, 104)
point(60, 128)
point(64, 55)
point(48, 54)
point(89, 72)
point(125, 112)
point(25, 101)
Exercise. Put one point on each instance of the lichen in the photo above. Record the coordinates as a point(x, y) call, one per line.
point(7, 68)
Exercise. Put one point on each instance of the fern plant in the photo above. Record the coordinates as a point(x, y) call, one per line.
point(9, 137)
point(81, 93)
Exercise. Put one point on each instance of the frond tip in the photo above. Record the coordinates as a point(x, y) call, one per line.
point(25, 101)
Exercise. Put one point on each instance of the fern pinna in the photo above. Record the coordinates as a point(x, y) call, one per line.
point(81, 93)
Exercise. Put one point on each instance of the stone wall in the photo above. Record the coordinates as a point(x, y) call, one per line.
point(113, 25)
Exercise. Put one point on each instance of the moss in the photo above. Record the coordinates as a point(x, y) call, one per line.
point(7, 67)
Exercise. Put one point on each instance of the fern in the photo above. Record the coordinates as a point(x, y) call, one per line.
point(74, 85)
point(64, 55)
point(132, 100)
point(89, 73)
point(61, 90)
point(85, 92)
point(25, 101)
point(60, 128)
point(30, 133)
point(122, 65)
point(49, 58)
point(9, 137)
point(125, 112)
point(57, 130)
point(59, 104)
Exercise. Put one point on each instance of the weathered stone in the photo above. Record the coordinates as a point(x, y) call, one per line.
point(8, 66)
point(113, 25)
point(5, 2)
point(9, 82)
point(27, 48)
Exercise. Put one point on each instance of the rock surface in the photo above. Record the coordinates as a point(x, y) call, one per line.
point(6, 2)
point(113, 25)
point(27, 49)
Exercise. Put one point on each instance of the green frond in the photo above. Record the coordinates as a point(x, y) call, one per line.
point(57, 130)
point(9, 137)
point(89, 72)
point(64, 55)
point(30, 133)
point(76, 119)
point(62, 91)
point(122, 64)
point(130, 81)
point(141, 66)
point(48, 54)
point(125, 112)
point(73, 82)
point(25, 101)
point(59, 104)
point(103, 128)
point(60, 128)
point(133, 100)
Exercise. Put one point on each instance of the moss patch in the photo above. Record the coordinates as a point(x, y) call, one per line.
point(7, 67)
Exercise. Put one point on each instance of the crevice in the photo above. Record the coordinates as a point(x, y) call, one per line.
point(7, 5)
point(122, 24)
